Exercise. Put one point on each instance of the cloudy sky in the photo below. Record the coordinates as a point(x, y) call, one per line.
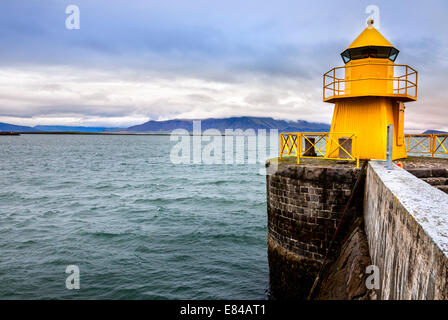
point(132, 61)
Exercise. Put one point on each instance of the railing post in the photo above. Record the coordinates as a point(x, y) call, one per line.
point(406, 83)
point(390, 132)
point(281, 145)
point(433, 145)
point(290, 144)
point(416, 83)
point(323, 89)
point(357, 151)
point(334, 81)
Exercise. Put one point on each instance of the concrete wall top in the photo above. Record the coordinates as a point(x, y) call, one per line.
point(427, 205)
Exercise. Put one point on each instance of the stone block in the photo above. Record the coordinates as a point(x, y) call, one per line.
point(313, 173)
point(420, 172)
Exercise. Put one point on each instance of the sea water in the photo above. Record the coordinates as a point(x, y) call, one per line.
point(136, 225)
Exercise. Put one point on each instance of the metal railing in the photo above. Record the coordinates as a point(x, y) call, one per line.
point(433, 144)
point(321, 145)
point(404, 84)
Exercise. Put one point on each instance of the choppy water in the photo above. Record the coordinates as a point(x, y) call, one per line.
point(137, 226)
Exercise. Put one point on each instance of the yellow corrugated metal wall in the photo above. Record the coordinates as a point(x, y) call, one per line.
point(368, 117)
point(369, 68)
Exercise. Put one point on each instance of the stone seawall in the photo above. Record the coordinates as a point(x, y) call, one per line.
point(345, 278)
point(401, 228)
point(304, 205)
point(406, 222)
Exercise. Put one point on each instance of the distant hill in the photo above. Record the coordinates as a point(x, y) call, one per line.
point(433, 132)
point(13, 127)
point(167, 126)
point(231, 123)
point(72, 129)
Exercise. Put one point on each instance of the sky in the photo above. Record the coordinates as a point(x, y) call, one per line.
point(134, 61)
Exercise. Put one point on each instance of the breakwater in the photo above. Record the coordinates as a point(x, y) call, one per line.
point(407, 229)
point(305, 203)
point(395, 222)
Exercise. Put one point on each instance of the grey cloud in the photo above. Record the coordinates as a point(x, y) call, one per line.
point(265, 51)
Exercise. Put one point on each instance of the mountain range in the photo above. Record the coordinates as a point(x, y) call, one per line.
point(12, 127)
point(221, 124)
point(433, 132)
point(72, 128)
point(15, 128)
point(167, 126)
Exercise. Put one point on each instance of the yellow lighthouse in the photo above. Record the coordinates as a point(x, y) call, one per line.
point(369, 93)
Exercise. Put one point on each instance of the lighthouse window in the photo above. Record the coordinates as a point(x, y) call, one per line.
point(370, 52)
point(393, 54)
point(359, 53)
point(346, 56)
point(379, 52)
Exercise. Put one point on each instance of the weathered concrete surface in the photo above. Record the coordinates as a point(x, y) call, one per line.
point(406, 222)
point(305, 203)
point(345, 278)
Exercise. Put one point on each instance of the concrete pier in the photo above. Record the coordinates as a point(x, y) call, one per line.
point(407, 229)
point(397, 222)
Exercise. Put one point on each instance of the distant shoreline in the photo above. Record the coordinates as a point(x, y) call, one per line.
point(110, 133)
point(18, 133)
point(97, 133)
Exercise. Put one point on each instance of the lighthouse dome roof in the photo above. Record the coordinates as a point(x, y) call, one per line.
point(370, 44)
point(370, 37)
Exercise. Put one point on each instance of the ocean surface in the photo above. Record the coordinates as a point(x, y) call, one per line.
point(136, 225)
